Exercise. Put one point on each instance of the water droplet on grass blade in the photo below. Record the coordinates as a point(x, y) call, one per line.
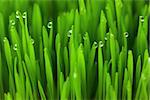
point(18, 14)
point(69, 33)
point(142, 19)
point(49, 25)
point(126, 34)
point(32, 41)
point(106, 37)
point(24, 15)
point(15, 47)
point(101, 44)
point(95, 44)
point(12, 22)
point(4, 39)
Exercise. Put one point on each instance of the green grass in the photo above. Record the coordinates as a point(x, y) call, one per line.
point(74, 49)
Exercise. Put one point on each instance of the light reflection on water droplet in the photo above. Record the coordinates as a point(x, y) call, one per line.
point(106, 36)
point(32, 40)
point(126, 34)
point(69, 33)
point(49, 25)
point(101, 44)
point(95, 44)
point(12, 22)
point(142, 19)
point(24, 15)
point(4, 39)
point(18, 14)
point(15, 47)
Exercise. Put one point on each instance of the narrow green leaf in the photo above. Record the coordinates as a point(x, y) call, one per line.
point(118, 7)
point(28, 93)
point(100, 72)
point(41, 91)
point(57, 46)
point(112, 93)
point(77, 83)
point(86, 46)
point(125, 81)
point(66, 61)
point(82, 69)
point(16, 75)
point(8, 96)
point(2, 27)
point(66, 90)
point(110, 16)
point(61, 80)
point(130, 66)
point(116, 84)
point(108, 85)
point(113, 56)
point(76, 31)
point(49, 75)
point(129, 90)
point(104, 79)
point(82, 6)
point(8, 55)
point(1, 77)
point(10, 65)
point(138, 72)
point(143, 94)
point(102, 27)
point(121, 67)
point(45, 37)
point(36, 27)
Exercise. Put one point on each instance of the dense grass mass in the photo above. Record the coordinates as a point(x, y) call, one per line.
point(74, 49)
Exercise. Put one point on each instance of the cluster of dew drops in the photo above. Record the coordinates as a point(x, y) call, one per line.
point(50, 25)
point(12, 23)
point(101, 44)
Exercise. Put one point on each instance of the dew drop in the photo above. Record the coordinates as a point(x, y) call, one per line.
point(32, 41)
point(18, 14)
point(49, 25)
point(15, 47)
point(126, 34)
point(24, 15)
point(4, 39)
point(95, 44)
point(101, 44)
point(106, 38)
point(69, 33)
point(12, 22)
point(142, 19)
